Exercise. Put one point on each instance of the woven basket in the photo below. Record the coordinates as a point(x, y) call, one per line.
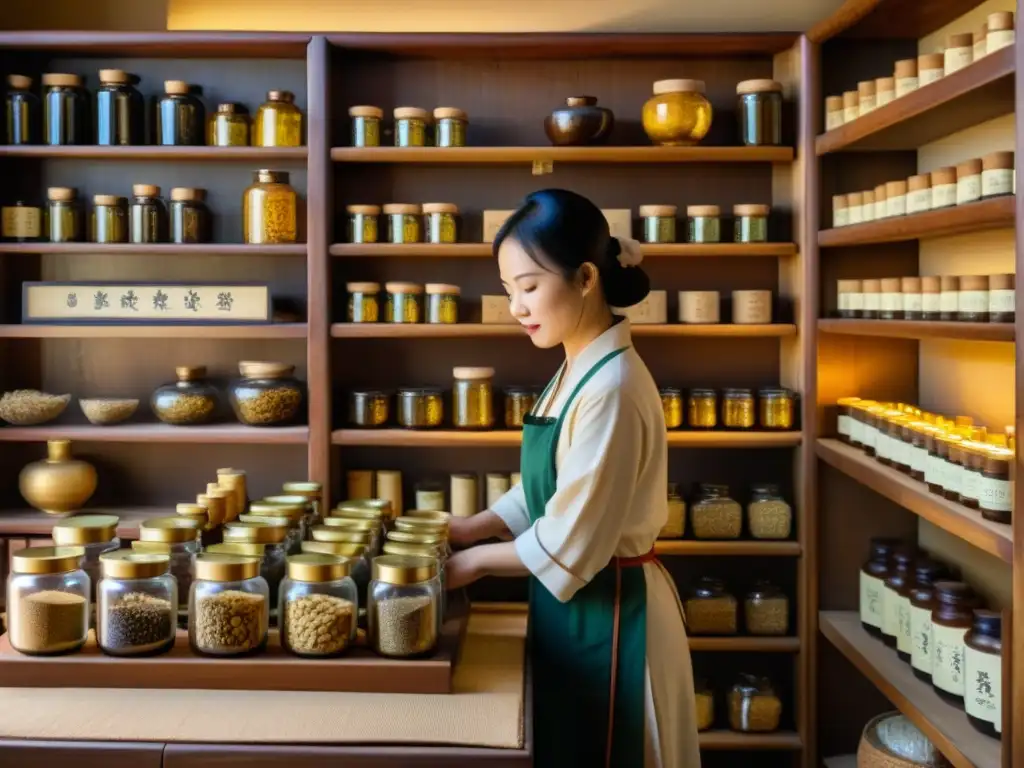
point(872, 752)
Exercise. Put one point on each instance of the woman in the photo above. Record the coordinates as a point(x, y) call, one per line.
point(613, 684)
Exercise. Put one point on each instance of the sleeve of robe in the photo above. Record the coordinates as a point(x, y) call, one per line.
point(597, 476)
point(512, 509)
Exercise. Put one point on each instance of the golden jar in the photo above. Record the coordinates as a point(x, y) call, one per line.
point(472, 398)
point(678, 114)
point(738, 410)
point(440, 221)
point(368, 408)
point(363, 302)
point(404, 303)
point(519, 401)
point(411, 126)
point(404, 223)
point(702, 409)
point(365, 125)
point(363, 223)
point(228, 126)
point(270, 209)
point(775, 408)
point(420, 408)
point(278, 122)
point(672, 404)
point(442, 303)
point(450, 127)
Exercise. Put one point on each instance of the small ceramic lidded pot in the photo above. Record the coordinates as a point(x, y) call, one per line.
point(580, 122)
point(678, 113)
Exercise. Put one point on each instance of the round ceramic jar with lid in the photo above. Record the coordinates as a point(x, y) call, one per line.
point(411, 126)
point(63, 215)
point(972, 299)
point(949, 297)
point(95, 534)
point(180, 535)
point(997, 174)
point(998, 31)
point(766, 610)
point(760, 113)
point(931, 297)
point(699, 307)
point(368, 408)
point(710, 609)
point(441, 223)
point(905, 74)
point(869, 210)
point(912, 298)
point(190, 218)
point(228, 606)
point(702, 409)
point(273, 537)
point(896, 198)
point(403, 222)
point(704, 224)
point(137, 604)
point(366, 125)
point(109, 220)
point(769, 515)
point(866, 100)
point(672, 406)
point(983, 672)
point(840, 212)
point(754, 707)
point(270, 209)
point(714, 514)
point(147, 216)
point(267, 395)
point(319, 606)
point(881, 202)
point(844, 419)
point(23, 109)
point(738, 408)
point(363, 302)
point(751, 223)
point(958, 53)
point(473, 397)
point(872, 584)
point(404, 606)
point(48, 605)
point(943, 185)
point(885, 90)
point(930, 68)
point(1002, 298)
point(278, 121)
point(952, 618)
point(120, 110)
point(450, 127)
point(430, 497)
point(855, 208)
point(678, 113)
point(896, 587)
point(228, 126)
point(776, 409)
point(519, 401)
point(420, 408)
point(189, 400)
point(659, 223)
point(851, 106)
point(891, 299)
point(404, 303)
point(442, 303)
point(180, 116)
point(363, 226)
point(849, 298)
point(65, 109)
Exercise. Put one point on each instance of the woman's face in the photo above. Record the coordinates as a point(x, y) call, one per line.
point(548, 306)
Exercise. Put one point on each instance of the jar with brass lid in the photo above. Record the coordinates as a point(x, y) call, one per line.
point(702, 409)
point(137, 604)
point(952, 618)
point(147, 216)
point(109, 220)
point(423, 524)
point(411, 126)
point(404, 222)
point(704, 224)
point(273, 538)
point(519, 401)
point(267, 394)
point(278, 121)
point(659, 223)
point(473, 397)
point(441, 223)
point(710, 609)
point(311, 490)
point(769, 515)
point(751, 223)
point(365, 125)
point(450, 127)
point(301, 505)
point(189, 400)
point(363, 302)
point(754, 707)
point(412, 544)
point(775, 409)
point(363, 223)
point(337, 528)
point(48, 604)
point(228, 609)
point(766, 610)
point(24, 111)
point(190, 218)
point(404, 303)
point(65, 110)
point(442, 303)
point(180, 536)
point(180, 116)
point(420, 408)
point(672, 405)
point(404, 606)
point(293, 518)
point(228, 126)
point(760, 112)
point(983, 672)
point(368, 407)
point(95, 534)
point(120, 110)
point(63, 215)
point(675, 524)
point(738, 409)
point(356, 552)
point(319, 606)
point(270, 209)
point(714, 514)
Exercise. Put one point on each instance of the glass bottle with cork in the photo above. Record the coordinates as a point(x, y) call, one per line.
point(278, 121)
point(180, 116)
point(65, 110)
point(109, 220)
point(147, 216)
point(23, 111)
point(63, 216)
point(120, 110)
point(190, 218)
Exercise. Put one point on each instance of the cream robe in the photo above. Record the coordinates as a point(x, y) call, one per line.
point(612, 500)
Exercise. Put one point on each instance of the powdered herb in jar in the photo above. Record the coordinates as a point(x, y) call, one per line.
point(714, 515)
point(675, 525)
point(753, 705)
point(766, 610)
point(702, 409)
point(672, 404)
point(769, 516)
point(710, 609)
point(363, 302)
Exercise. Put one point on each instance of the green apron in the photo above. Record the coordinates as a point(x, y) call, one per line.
point(572, 643)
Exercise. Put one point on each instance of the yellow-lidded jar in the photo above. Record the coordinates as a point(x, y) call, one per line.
point(311, 491)
point(411, 126)
point(404, 303)
point(228, 605)
point(228, 126)
point(278, 121)
point(443, 303)
point(137, 604)
point(48, 603)
point(363, 302)
point(319, 605)
point(180, 534)
point(659, 223)
point(702, 409)
point(365, 125)
point(441, 224)
point(404, 222)
point(270, 209)
point(363, 226)
point(450, 127)
point(473, 398)
point(95, 534)
point(404, 605)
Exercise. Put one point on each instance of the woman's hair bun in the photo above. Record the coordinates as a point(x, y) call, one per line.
point(623, 286)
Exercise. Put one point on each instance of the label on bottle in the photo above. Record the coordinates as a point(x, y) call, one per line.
point(840, 217)
point(951, 476)
point(871, 600)
point(920, 460)
point(1002, 300)
point(968, 189)
point(20, 222)
point(980, 49)
point(921, 634)
point(867, 104)
point(995, 494)
point(957, 58)
point(904, 638)
point(919, 200)
point(881, 211)
point(948, 661)
point(970, 485)
point(892, 301)
point(926, 76)
point(933, 470)
point(884, 97)
point(972, 301)
point(896, 205)
point(872, 302)
point(855, 214)
point(913, 302)
point(890, 612)
point(905, 85)
point(998, 38)
point(996, 181)
point(949, 301)
point(943, 195)
point(833, 119)
point(983, 694)
point(850, 114)
point(855, 301)
point(843, 425)
point(931, 302)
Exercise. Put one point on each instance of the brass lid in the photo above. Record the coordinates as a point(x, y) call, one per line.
point(381, 506)
point(108, 200)
point(869, 196)
point(216, 566)
point(336, 533)
point(839, 202)
point(176, 87)
point(19, 82)
point(85, 529)
point(237, 548)
point(286, 96)
point(351, 524)
point(364, 210)
point(403, 569)
point(118, 76)
point(358, 513)
point(896, 188)
point(251, 369)
point(408, 209)
point(429, 514)
point(364, 110)
point(129, 564)
point(187, 509)
point(678, 86)
point(255, 533)
point(187, 193)
point(851, 99)
point(905, 68)
point(999, 21)
point(657, 210)
point(411, 113)
point(45, 560)
point(156, 547)
point(171, 530)
point(417, 537)
point(960, 40)
point(833, 103)
point(318, 567)
point(340, 548)
point(292, 512)
point(419, 524)
point(362, 287)
point(1004, 282)
point(406, 548)
point(890, 285)
point(945, 175)
point(60, 194)
point(287, 500)
point(450, 113)
point(750, 209)
point(290, 522)
point(440, 208)
point(971, 283)
point(758, 86)
point(855, 199)
point(949, 282)
point(920, 182)
point(62, 79)
point(267, 176)
point(885, 84)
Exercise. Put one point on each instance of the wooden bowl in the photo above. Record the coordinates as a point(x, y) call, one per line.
point(105, 411)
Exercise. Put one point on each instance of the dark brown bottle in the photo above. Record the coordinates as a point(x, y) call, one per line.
point(926, 573)
point(983, 660)
point(899, 579)
point(952, 617)
point(922, 603)
point(872, 584)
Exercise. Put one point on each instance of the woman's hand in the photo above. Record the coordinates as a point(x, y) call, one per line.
point(462, 569)
point(466, 531)
point(469, 565)
point(461, 532)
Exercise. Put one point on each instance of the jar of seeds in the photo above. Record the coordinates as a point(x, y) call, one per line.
point(705, 706)
point(450, 127)
point(362, 223)
point(420, 545)
point(442, 303)
point(272, 535)
point(310, 490)
point(473, 398)
point(301, 505)
point(766, 610)
point(147, 216)
point(63, 215)
point(228, 606)
point(319, 606)
point(404, 303)
point(675, 525)
point(363, 302)
point(441, 222)
point(291, 517)
point(368, 408)
point(403, 606)
point(420, 408)
point(267, 395)
point(353, 551)
point(365, 125)
point(403, 221)
point(754, 706)
point(659, 223)
point(710, 609)
point(137, 604)
point(672, 406)
point(714, 515)
point(411, 126)
point(95, 534)
point(341, 529)
point(47, 601)
point(180, 535)
point(768, 514)
point(188, 401)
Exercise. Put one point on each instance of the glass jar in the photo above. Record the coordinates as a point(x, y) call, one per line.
point(983, 673)
point(675, 524)
point(702, 409)
point(769, 516)
point(404, 303)
point(310, 490)
point(190, 218)
point(678, 114)
point(450, 127)
point(754, 707)
point(382, 510)
point(65, 110)
point(23, 111)
point(228, 606)
point(775, 408)
point(441, 223)
point(403, 606)
point(422, 523)
point(672, 405)
point(180, 535)
point(714, 515)
point(95, 535)
point(48, 604)
point(228, 126)
point(109, 221)
point(705, 706)
point(411, 126)
point(189, 400)
point(147, 217)
point(872, 584)
point(896, 585)
point(421, 408)
point(337, 528)
point(21, 222)
point(704, 224)
point(403, 223)
point(952, 618)
point(270, 209)
point(760, 113)
point(751, 222)
point(267, 395)
point(292, 517)
point(766, 610)
point(710, 609)
point(366, 125)
point(473, 398)
point(180, 116)
point(319, 606)
point(359, 558)
point(362, 223)
point(273, 537)
point(420, 545)
point(368, 407)
point(137, 604)
point(659, 223)
point(738, 410)
point(278, 122)
point(443, 303)
point(922, 602)
point(363, 302)
point(519, 401)
point(120, 110)
point(63, 216)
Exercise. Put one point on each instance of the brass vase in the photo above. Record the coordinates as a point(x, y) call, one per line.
point(59, 484)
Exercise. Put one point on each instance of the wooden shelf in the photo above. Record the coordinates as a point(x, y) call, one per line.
point(977, 93)
point(480, 330)
point(483, 250)
point(945, 724)
point(744, 644)
point(209, 154)
point(409, 438)
point(219, 434)
point(159, 249)
point(738, 548)
point(595, 155)
point(30, 523)
point(732, 741)
point(264, 331)
point(996, 213)
point(160, 45)
point(920, 329)
point(964, 523)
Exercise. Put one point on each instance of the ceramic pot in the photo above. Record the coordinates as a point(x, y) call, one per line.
point(579, 123)
point(58, 484)
point(678, 114)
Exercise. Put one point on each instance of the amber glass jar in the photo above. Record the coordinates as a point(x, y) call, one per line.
point(872, 584)
point(754, 707)
point(120, 110)
point(952, 617)
point(714, 515)
point(24, 111)
point(672, 405)
point(519, 401)
point(109, 221)
point(228, 126)
point(711, 609)
point(922, 602)
point(996, 486)
point(190, 218)
point(278, 122)
point(738, 410)
point(180, 116)
point(776, 409)
point(897, 587)
point(983, 672)
point(473, 398)
point(147, 216)
point(766, 610)
point(702, 409)
point(65, 110)
point(270, 209)
point(63, 216)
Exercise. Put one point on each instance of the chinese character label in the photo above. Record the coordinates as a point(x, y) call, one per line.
point(160, 301)
point(224, 301)
point(130, 301)
point(100, 301)
point(192, 301)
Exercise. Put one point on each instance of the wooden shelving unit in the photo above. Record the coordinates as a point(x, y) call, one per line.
point(217, 434)
point(252, 331)
point(403, 438)
point(255, 155)
point(920, 329)
point(595, 155)
point(479, 330)
point(484, 250)
point(159, 249)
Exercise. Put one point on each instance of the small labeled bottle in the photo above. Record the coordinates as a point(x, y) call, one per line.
point(885, 90)
point(968, 182)
point(952, 618)
point(958, 54)
point(147, 216)
point(180, 116)
point(996, 486)
point(896, 198)
point(943, 188)
point(872, 584)
point(65, 109)
point(906, 78)
point(983, 665)
point(999, 31)
point(972, 300)
point(865, 97)
point(278, 121)
point(997, 177)
point(931, 302)
point(63, 216)
point(109, 220)
point(834, 116)
point(872, 290)
point(949, 297)
point(930, 68)
point(190, 218)
point(21, 222)
point(851, 106)
point(891, 300)
point(840, 213)
point(1002, 298)
point(916, 649)
point(120, 110)
point(913, 300)
point(897, 586)
point(919, 193)
point(24, 112)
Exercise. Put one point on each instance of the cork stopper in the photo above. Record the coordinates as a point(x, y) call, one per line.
point(107, 200)
point(450, 113)
point(871, 286)
point(750, 209)
point(997, 161)
point(973, 282)
point(19, 82)
point(890, 285)
point(678, 86)
point(60, 194)
point(442, 289)
point(176, 87)
point(866, 88)
point(440, 208)
point(364, 210)
point(851, 99)
point(1002, 282)
point(881, 193)
point(1000, 21)
point(699, 211)
point(848, 286)
point(758, 86)
point(362, 287)
point(949, 283)
point(114, 76)
point(961, 40)
point(920, 182)
point(968, 168)
point(855, 198)
point(931, 284)
point(869, 196)
point(839, 202)
point(398, 287)
point(910, 284)
point(187, 193)
point(411, 209)
point(930, 61)
point(895, 188)
point(411, 113)
point(364, 110)
point(905, 68)
point(145, 190)
point(657, 210)
point(942, 176)
point(61, 79)
point(832, 103)
point(883, 84)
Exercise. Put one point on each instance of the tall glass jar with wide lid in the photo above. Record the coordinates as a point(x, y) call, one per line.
point(95, 534)
point(181, 537)
point(180, 116)
point(109, 220)
point(278, 121)
point(473, 397)
point(275, 549)
point(356, 552)
point(267, 395)
point(270, 209)
point(47, 601)
point(228, 608)
point(319, 605)
point(137, 604)
point(404, 606)
point(65, 109)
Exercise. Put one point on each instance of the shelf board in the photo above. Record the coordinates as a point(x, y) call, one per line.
point(32, 523)
point(156, 249)
point(194, 331)
point(945, 724)
point(737, 548)
point(484, 250)
point(503, 155)
point(210, 154)
point(920, 329)
point(743, 644)
point(733, 741)
point(481, 330)
point(966, 524)
point(997, 213)
point(411, 438)
point(220, 434)
point(158, 45)
point(979, 92)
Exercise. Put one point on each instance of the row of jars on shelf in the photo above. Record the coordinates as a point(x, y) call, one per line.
point(955, 458)
point(269, 215)
point(711, 609)
point(937, 625)
point(734, 408)
point(964, 298)
point(715, 515)
point(752, 703)
point(178, 117)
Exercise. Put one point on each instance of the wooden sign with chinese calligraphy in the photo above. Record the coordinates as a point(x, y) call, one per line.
point(145, 303)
